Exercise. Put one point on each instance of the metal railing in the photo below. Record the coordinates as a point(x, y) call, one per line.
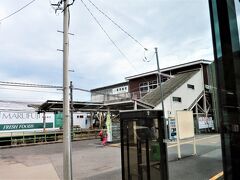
point(34, 137)
point(117, 97)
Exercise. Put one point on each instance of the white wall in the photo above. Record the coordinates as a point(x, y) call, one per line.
point(187, 95)
point(97, 97)
point(81, 119)
point(120, 90)
point(117, 93)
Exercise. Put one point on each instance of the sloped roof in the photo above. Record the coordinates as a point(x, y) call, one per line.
point(110, 86)
point(164, 70)
point(168, 87)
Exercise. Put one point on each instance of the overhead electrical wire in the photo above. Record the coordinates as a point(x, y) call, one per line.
point(29, 90)
point(116, 24)
point(50, 86)
point(26, 85)
point(16, 102)
point(121, 52)
point(97, 21)
point(7, 83)
point(8, 16)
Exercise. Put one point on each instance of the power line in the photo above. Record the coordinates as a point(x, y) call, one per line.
point(121, 52)
point(26, 85)
point(145, 49)
point(29, 90)
point(134, 39)
point(16, 102)
point(17, 10)
point(7, 83)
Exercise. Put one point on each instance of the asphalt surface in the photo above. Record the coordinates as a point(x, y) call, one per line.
point(91, 161)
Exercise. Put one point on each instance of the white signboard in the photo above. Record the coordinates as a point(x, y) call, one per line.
point(24, 120)
point(205, 122)
point(185, 124)
point(185, 129)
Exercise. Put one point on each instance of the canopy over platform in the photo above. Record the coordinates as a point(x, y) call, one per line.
point(55, 105)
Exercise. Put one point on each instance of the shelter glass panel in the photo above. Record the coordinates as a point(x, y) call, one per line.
point(143, 150)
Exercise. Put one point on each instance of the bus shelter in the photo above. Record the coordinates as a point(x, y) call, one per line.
point(143, 150)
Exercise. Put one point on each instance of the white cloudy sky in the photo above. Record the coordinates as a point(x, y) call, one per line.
point(29, 41)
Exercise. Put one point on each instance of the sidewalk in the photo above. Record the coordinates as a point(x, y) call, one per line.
point(20, 171)
point(94, 162)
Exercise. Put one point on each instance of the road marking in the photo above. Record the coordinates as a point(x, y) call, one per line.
point(114, 145)
point(195, 140)
point(200, 139)
point(213, 142)
point(217, 176)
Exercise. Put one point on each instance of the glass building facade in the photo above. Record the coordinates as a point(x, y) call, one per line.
point(227, 66)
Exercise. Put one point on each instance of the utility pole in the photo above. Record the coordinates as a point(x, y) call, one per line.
point(67, 154)
point(160, 80)
point(161, 91)
point(71, 106)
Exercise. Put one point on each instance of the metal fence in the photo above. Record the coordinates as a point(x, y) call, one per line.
point(34, 137)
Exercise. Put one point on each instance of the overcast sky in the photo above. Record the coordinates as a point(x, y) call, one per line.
point(29, 42)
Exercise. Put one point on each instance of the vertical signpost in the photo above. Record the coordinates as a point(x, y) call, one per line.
point(109, 127)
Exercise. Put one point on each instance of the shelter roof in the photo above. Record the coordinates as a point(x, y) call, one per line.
point(53, 106)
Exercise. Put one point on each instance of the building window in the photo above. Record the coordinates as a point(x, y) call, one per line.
point(190, 86)
point(148, 86)
point(177, 99)
point(143, 87)
point(153, 84)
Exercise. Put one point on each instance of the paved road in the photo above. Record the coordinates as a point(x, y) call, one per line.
point(207, 162)
point(94, 162)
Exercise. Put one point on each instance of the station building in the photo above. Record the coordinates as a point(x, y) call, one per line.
point(185, 86)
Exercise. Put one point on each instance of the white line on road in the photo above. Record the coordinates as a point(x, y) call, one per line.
point(195, 140)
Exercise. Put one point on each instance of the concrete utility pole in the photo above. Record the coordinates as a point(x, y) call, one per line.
point(67, 154)
point(72, 108)
point(160, 81)
point(161, 92)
